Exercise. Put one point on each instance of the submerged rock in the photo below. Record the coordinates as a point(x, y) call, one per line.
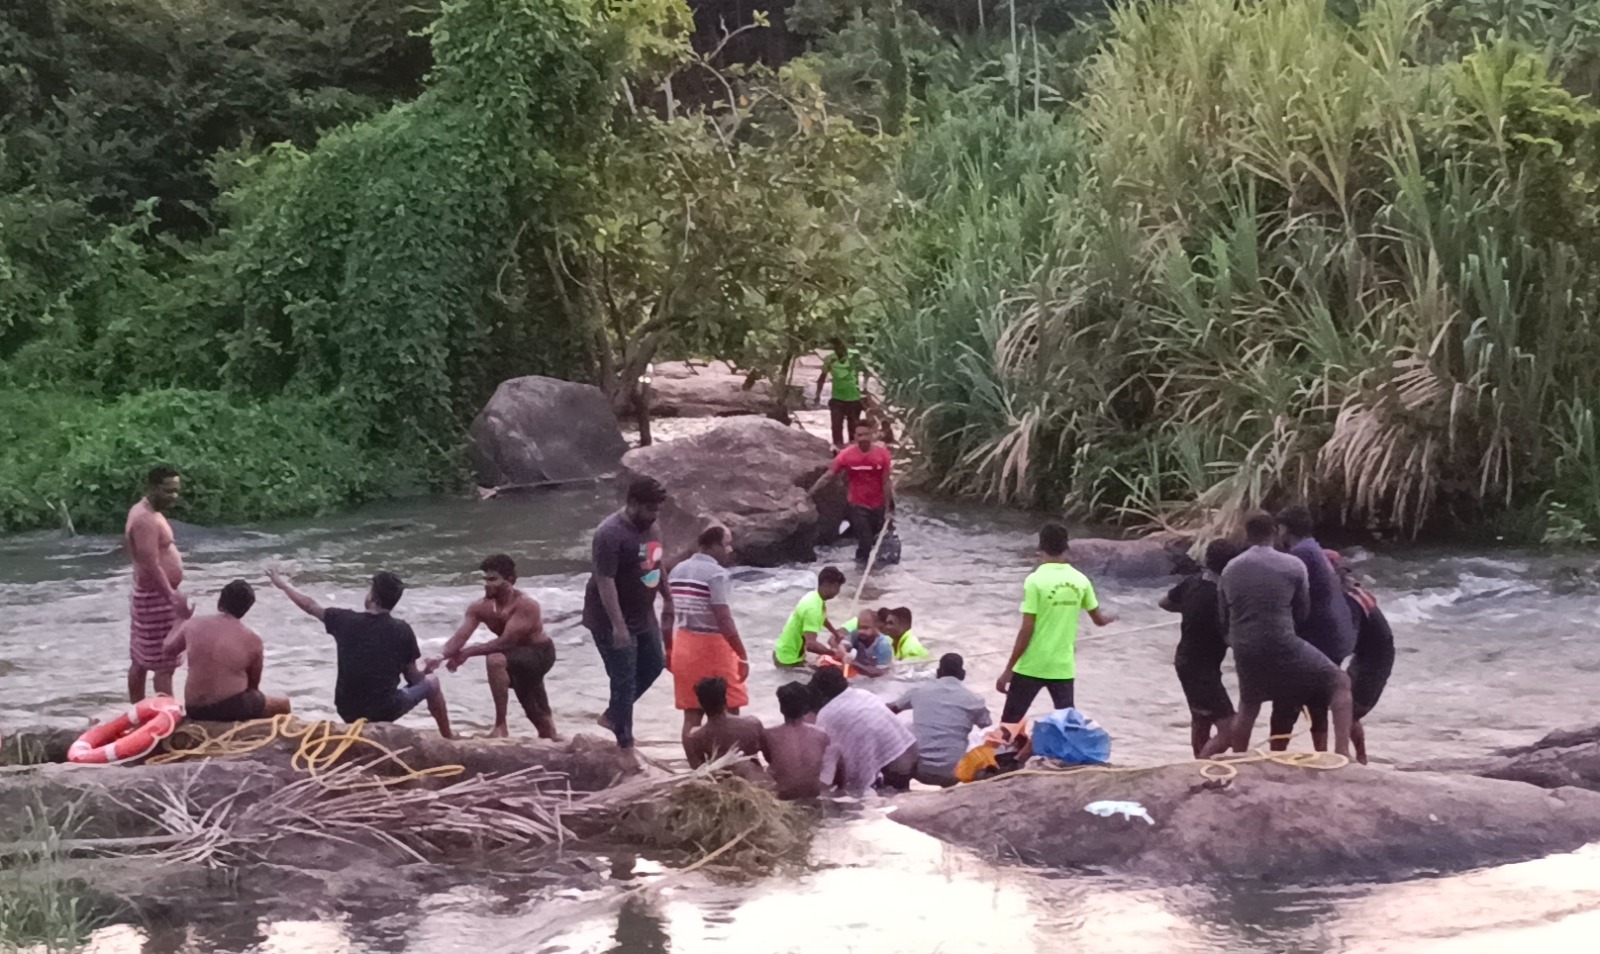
point(537, 431)
point(750, 474)
point(1156, 556)
point(1272, 822)
point(1564, 757)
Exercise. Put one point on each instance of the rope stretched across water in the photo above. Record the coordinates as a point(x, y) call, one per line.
point(321, 746)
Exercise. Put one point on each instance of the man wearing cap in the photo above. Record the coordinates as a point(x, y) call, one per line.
point(619, 603)
point(943, 713)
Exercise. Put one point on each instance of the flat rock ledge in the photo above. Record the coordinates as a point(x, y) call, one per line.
point(1562, 758)
point(1272, 822)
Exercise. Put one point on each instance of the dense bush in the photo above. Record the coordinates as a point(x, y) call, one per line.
point(1341, 258)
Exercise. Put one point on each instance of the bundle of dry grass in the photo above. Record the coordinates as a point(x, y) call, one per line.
point(745, 826)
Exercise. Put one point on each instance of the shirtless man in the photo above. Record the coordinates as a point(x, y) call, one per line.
point(156, 605)
point(225, 659)
point(799, 755)
point(519, 656)
point(724, 733)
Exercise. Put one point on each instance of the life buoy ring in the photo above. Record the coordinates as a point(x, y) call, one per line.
point(131, 735)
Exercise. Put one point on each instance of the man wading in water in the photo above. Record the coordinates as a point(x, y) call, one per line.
point(619, 604)
point(156, 605)
point(520, 655)
point(1262, 594)
point(869, 469)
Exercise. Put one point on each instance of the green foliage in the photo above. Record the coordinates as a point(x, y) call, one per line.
point(1298, 259)
point(736, 230)
point(72, 461)
point(40, 907)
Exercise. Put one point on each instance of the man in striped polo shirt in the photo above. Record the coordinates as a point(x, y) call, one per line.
point(703, 641)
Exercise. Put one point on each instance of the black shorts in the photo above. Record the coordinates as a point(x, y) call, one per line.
point(527, 666)
point(1203, 690)
point(244, 707)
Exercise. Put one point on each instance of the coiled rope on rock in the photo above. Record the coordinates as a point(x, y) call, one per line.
point(321, 746)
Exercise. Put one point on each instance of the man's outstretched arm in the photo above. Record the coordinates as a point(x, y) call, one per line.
point(306, 603)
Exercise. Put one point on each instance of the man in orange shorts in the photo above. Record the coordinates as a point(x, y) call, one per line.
point(703, 641)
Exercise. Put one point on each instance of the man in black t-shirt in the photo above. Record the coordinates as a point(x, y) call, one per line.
point(378, 677)
point(1202, 646)
point(619, 604)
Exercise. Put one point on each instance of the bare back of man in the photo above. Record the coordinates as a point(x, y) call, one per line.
point(796, 754)
point(519, 656)
point(157, 604)
point(225, 660)
point(729, 733)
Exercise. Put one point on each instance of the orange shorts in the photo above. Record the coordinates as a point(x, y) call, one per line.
point(697, 656)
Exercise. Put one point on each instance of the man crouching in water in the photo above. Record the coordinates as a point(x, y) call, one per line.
point(520, 655)
point(225, 660)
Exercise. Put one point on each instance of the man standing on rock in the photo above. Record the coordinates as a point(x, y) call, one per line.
point(1327, 624)
point(1262, 594)
point(870, 473)
point(377, 678)
point(520, 655)
point(1045, 655)
point(157, 605)
point(619, 603)
point(844, 365)
point(704, 641)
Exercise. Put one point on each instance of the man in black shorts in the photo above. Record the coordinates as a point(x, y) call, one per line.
point(520, 655)
point(1201, 646)
point(378, 679)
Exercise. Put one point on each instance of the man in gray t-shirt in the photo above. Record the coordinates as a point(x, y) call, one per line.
point(1261, 596)
point(943, 713)
point(703, 642)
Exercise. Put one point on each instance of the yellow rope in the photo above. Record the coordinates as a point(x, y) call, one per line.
point(320, 748)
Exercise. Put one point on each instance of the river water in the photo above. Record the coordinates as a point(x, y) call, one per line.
point(1494, 649)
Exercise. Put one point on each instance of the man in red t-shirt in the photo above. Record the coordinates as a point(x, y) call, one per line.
point(867, 465)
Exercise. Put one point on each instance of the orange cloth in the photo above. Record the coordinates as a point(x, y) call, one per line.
point(697, 656)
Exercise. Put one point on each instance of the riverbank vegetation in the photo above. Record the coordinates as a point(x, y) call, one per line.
point(1150, 261)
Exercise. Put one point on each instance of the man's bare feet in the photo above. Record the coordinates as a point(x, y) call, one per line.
point(500, 732)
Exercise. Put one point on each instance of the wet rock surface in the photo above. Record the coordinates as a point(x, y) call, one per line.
point(751, 475)
point(537, 431)
point(1561, 758)
point(684, 389)
point(1272, 822)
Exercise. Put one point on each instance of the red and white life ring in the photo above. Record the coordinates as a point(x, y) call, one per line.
point(132, 735)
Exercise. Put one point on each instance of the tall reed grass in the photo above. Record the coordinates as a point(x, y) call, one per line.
point(1273, 253)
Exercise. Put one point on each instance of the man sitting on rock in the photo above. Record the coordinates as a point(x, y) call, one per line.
point(225, 659)
point(1262, 594)
point(802, 633)
point(943, 713)
point(377, 679)
point(872, 743)
point(799, 755)
point(724, 733)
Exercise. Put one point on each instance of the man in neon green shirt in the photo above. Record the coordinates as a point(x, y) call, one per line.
point(802, 633)
point(1043, 658)
point(846, 368)
point(897, 624)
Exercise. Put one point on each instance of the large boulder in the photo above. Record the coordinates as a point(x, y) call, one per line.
point(1564, 757)
point(1272, 821)
point(681, 389)
point(1156, 556)
point(537, 431)
point(750, 474)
